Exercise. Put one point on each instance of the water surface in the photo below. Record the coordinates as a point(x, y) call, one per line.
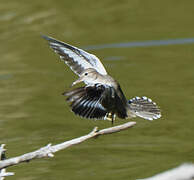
point(33, 112)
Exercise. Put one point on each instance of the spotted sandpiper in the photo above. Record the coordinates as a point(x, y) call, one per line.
point(101, 97)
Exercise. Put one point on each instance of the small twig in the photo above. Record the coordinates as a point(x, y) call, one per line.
point(3, 172)
point(49, 150)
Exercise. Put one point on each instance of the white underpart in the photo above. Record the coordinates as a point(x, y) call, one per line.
point(96, 81)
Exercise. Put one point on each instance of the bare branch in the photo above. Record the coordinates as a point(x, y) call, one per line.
point(183, 172)
point(49, 150)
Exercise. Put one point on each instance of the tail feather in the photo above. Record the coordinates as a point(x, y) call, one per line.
point(144, 107)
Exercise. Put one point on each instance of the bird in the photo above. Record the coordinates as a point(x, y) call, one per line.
point(101, 97)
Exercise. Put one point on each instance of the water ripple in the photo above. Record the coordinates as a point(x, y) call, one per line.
point(142, 44)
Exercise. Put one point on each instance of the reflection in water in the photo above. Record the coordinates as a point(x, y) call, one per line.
point(5, 76)
point(114, 58)
point(142, 44)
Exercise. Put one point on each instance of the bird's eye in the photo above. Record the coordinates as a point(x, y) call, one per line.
point(86, 74)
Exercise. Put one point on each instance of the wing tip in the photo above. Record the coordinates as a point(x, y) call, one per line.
point(48, 38)
point(45, 37)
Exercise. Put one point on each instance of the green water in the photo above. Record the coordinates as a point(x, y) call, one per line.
point(33, 112)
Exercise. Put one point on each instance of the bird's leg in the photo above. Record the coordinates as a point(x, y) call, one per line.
point(112, 121)
point(111, 117)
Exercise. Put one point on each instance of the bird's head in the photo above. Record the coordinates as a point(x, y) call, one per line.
point(88, 76)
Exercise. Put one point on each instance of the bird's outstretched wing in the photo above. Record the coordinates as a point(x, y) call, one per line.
point(87, 102)
point(77, 59)
point(95, 102)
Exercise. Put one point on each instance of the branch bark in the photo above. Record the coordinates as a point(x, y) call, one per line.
point(49, 150)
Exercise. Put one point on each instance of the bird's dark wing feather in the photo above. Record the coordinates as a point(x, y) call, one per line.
point(77, 59)
point(95, 102)
point(86, 102)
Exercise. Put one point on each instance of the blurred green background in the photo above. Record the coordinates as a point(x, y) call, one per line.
point(33, 112)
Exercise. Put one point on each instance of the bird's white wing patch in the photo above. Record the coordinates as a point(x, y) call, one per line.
point(94, 61)
point(77, 59)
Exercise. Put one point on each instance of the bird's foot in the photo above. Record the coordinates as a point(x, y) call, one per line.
point(110, 117)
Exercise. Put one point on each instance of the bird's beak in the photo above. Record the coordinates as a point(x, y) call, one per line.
point(77, 81)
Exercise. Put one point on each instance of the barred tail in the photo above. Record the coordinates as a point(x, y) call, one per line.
point(143, 107)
